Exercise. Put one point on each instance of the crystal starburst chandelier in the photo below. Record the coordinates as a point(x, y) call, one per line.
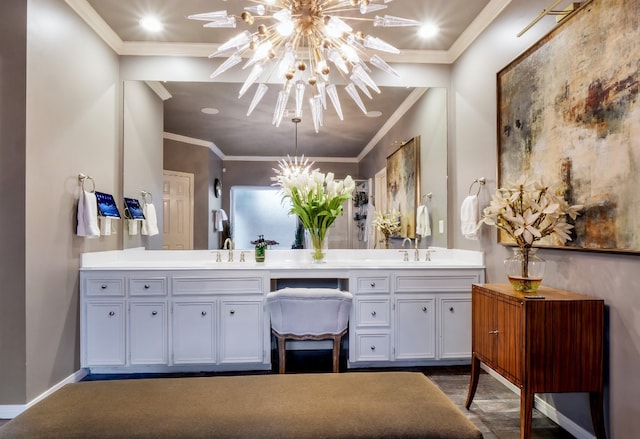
point(293, 167)
point(303, 44)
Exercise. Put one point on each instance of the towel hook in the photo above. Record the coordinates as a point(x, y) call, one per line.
point(481, 182)
point(82, 178)
point(147, 197)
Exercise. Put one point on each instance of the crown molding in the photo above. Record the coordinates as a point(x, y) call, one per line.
point(193, 141)
point(204, 50)
point(95, 22)
point(159, 89)
point(239, 158)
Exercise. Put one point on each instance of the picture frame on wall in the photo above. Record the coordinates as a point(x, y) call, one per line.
point(403, 185)
point(572, 120)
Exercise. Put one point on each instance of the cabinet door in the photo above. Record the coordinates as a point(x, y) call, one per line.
point(484, 325)
point(455, 327)
point(415, 328)
point(194, 332)
point(241, 331)
point(105, 329)
point(510, 348)
point(148, 332)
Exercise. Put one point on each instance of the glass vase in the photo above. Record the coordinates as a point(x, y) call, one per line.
point(318, 244)
point(525, 269)
point(260, 253)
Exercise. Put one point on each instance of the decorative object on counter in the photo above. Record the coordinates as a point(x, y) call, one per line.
point(261, 245)
point(297, 41)
point(317, 199)
point(387, 223)
point(527, 212)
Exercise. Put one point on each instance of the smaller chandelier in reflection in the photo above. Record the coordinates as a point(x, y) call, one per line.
point(303, 43)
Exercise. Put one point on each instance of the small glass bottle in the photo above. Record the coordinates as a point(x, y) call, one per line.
point(261, 249)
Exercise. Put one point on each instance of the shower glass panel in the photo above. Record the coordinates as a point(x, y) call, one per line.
point(258, 210)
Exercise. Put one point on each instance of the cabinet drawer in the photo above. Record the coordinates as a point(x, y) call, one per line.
point(104, 286)
point(203, 285)
point(441, 282)
point(373, 284)
point(372, 311)
point(372, 347)
point(151, 286)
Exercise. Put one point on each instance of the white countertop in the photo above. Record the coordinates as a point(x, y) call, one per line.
point(140, 259)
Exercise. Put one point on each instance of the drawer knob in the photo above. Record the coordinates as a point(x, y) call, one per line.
point(146, 286)
point(373, 284)
point(373, 348)
point(103, 286)
point(232, 312)
point(154, 313)
point(112, 313)
point(451, 309)
point(424, 309)
point(495, 332)
point(373, 313)
point(204, 313)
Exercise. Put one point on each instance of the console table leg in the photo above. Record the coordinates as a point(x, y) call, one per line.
point(596, 401)
point(526, 412)
point(473, 384)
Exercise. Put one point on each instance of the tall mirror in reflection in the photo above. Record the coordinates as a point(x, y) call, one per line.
point(200, 131)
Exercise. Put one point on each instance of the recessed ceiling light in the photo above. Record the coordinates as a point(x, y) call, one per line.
point(209, 110)
point(152, 24)
point(428, 30)
point(374, 113)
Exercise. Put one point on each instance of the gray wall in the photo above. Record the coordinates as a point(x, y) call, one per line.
point(142, 155)
point(13, 82)
point(73, 125)
point(615, 278)
point(427, 118)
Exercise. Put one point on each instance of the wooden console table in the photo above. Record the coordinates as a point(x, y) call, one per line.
point(544, 345)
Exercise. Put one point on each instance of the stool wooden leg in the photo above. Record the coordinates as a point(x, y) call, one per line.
point(281, 353)
point(336, 353)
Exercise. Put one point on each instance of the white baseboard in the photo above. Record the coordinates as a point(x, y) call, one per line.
point(13, 410)
point(546, 409)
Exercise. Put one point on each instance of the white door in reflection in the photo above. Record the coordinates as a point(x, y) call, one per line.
point(259, 210)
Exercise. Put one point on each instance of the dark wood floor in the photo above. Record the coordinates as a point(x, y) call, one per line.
point(495, 409)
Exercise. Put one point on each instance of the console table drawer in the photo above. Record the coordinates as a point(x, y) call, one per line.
point(446, 282)
point(203, 285)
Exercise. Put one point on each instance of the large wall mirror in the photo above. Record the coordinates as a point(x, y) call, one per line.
point(189, 130)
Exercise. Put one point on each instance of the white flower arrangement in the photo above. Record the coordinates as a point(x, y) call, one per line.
point(316, 198)
point(387, 223)
point(529, 211)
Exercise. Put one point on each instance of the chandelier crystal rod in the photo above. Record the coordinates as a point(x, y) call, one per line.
point(303, 44)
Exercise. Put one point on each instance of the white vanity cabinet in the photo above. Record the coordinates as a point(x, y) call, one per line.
point(411, 317)
point(160, 321)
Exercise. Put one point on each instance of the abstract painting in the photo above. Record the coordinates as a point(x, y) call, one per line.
point(569, 113)
point(403, 184)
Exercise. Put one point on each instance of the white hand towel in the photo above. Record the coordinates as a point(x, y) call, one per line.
point(423, 224)
point(469, 217)
point(133, 227)
point(220, 216)
point(105, 226)
point(369, 228)
point(150, 222)
point(87, 215)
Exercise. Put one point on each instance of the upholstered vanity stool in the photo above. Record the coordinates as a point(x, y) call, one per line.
point(309, 314)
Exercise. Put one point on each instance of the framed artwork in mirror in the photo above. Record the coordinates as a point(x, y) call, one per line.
point(572, 119)
point(403, 185)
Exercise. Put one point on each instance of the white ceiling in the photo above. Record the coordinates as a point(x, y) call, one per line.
point(235, 134)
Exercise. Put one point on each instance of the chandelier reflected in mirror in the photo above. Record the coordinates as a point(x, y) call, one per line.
point(302, 44)
point(293, 167)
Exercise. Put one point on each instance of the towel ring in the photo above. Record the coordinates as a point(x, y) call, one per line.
point(83, 178)
point(147, 197)
point(481, 182)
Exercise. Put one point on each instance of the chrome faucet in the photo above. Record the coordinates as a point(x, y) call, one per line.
point(417, 252)
point(405, 240)
point(229, 245)
point(218, 258)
